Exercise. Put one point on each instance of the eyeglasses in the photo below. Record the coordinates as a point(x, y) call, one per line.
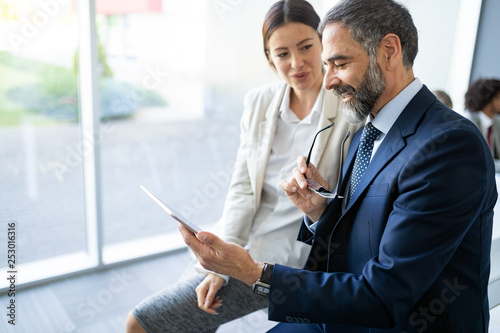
point(314, 185)
point(314, 140)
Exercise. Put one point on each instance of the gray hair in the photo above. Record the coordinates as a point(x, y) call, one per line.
point(370, 20)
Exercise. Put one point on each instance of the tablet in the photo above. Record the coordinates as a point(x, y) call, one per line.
point(191, 226)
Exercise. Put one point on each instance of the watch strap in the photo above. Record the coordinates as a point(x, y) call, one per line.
point(263, 285)
point(267, 273)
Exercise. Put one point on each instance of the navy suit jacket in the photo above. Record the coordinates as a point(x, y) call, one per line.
point(411, 252)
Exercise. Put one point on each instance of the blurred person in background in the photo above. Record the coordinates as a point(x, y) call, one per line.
point(482, 100)
point(279, 123)
point(443, 97)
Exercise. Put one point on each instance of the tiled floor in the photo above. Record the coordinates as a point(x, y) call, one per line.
point(100, 302)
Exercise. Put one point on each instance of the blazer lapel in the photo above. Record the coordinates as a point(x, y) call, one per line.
point(394, 142)
point(349, 162)
point(267, 128)
point(390, 147)
point(327, 116)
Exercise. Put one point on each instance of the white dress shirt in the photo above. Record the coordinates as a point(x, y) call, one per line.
point(486, 123)
point(388, 115)
point(293, 138)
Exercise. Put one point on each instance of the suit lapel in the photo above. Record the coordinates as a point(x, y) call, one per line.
point(349, 161)
point(390, 147)
point(393, 143)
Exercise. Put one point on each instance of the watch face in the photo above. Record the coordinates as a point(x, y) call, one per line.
point(262, 290)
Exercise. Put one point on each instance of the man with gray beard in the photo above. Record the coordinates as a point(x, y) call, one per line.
point(365, 97)
point(404, 245)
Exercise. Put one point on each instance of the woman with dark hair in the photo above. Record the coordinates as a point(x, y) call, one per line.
point(482, 101)
point(279, 123)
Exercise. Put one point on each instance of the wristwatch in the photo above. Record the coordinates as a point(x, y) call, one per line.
point(262, 285)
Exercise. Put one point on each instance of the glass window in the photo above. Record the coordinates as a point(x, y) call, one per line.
point(40, 141)
point(174, 78)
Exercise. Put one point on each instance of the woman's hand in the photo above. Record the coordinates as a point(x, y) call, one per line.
point(207, 291)
point(312, 204)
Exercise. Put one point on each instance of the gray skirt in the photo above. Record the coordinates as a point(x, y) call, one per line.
point(175, 309)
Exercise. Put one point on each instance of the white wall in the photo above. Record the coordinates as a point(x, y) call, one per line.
point(235, 61)
point(436, 21)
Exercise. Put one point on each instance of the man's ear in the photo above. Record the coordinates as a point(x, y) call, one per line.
point(390, 52)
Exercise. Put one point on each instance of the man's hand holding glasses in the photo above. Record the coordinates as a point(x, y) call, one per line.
point(301, 196)
point(306, 181)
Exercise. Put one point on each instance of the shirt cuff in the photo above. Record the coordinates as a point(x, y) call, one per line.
point(309, 224)
point(202, 270)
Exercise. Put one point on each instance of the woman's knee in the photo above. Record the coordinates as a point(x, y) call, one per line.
point(133, 325)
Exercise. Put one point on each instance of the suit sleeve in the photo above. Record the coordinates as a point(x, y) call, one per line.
point(440, 191)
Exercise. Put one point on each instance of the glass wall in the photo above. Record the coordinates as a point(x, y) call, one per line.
point(159, 135)
point(40, 140)
point(174, 127)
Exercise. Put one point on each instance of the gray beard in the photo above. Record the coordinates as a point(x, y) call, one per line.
point(354, 115)
point(365, 97)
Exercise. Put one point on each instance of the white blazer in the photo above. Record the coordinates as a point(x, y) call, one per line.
point(274, 242)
